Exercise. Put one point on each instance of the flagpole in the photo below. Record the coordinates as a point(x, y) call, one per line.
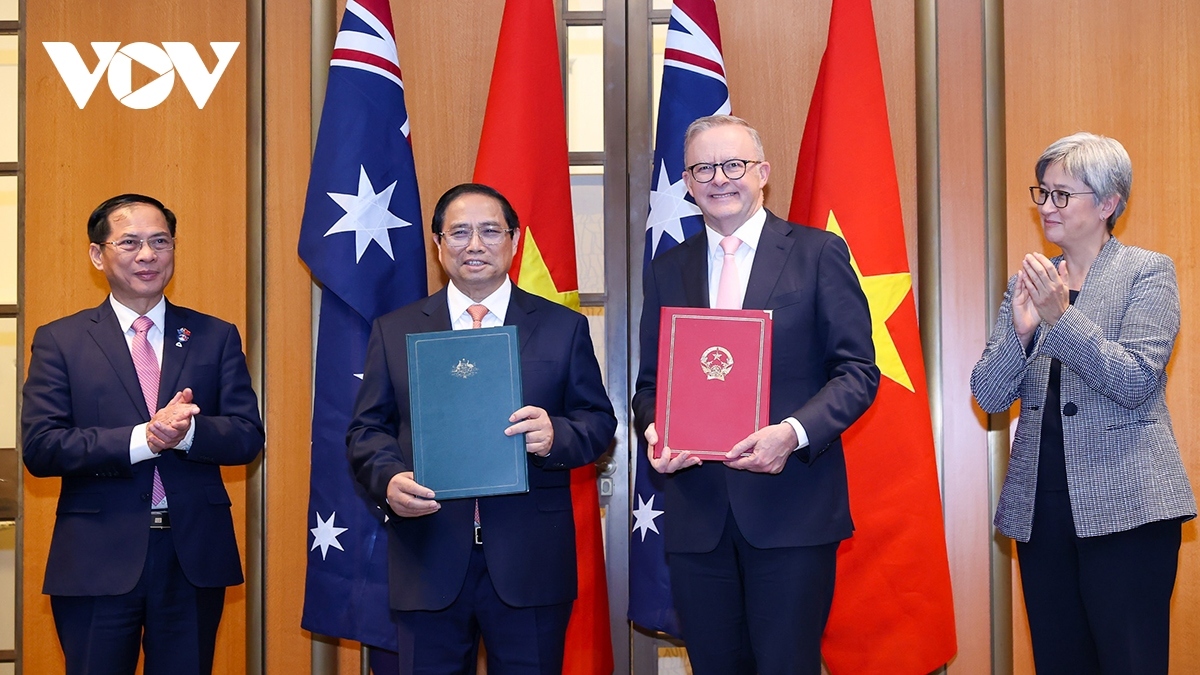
point(996, 276)
point(323, 33)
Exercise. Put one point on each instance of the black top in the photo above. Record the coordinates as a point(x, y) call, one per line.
point(1052, 461)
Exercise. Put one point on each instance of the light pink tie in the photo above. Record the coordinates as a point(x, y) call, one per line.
point(728, 286)
point(146, 364)
point(477, 313)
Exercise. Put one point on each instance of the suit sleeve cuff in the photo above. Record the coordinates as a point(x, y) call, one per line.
point(801, 434)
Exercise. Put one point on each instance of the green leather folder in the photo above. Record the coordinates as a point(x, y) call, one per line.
point(463, 385)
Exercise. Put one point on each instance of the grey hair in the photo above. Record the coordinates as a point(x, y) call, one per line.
point(1099, 161)
point(712, 121)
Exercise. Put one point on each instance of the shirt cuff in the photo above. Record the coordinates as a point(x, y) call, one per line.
point(186, 444)
point(801, 434)
point(139, 450)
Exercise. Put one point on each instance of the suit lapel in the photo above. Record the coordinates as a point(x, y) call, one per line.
point(176, 347)
point(106, 331)
point(774, 246)
point(695, 270)
point(521, 313)
point(437, 312)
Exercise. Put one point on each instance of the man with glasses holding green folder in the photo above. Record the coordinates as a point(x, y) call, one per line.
point(499, 567)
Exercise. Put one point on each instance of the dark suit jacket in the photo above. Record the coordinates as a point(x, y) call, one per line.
point(81, 402)
point(823, 374)
point(529, 539)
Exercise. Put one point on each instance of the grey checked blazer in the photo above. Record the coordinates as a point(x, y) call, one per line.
point(1123, 465)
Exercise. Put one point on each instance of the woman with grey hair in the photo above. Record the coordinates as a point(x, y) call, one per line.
point(1096, 490)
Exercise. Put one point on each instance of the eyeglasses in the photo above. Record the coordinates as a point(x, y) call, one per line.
point(158, 243)
point(1060, 198)
point(733, 169)
point(459, 237)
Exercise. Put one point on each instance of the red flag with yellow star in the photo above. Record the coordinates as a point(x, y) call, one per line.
point(523, 154)
point(892, 606)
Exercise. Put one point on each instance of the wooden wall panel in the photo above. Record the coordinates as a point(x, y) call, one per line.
point(194, 160)
point(287, 334)
point(964, 321)
point(1131, 71)
point(446, 52)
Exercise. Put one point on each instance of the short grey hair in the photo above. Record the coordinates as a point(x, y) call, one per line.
point(712, 121)
point(1099, 161)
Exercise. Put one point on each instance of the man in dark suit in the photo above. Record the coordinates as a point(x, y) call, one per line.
point(501, 567)
point(136, 404)
point(752, 542)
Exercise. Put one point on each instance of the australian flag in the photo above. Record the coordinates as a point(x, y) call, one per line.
point(362, 239)
point(693, 86)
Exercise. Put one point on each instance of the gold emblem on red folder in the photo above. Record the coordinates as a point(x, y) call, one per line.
point(716, 363)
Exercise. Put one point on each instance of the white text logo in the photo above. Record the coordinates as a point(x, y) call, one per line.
point(165, 61)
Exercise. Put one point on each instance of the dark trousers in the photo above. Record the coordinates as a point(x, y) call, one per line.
point(174, 621)
point(746, 610)
point(518, 640)
point(1098, 604)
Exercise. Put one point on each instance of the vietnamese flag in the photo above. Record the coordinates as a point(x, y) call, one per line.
point(523, 154)
point(892, 606)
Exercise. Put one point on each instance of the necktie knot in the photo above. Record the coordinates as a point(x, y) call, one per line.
point(730, 245)
point(477, 313)
point(142, 325)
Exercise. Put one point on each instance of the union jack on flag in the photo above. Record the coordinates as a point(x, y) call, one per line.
point(693, 86)
point(362, 240)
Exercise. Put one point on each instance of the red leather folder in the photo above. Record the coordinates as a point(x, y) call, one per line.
point(714, 378)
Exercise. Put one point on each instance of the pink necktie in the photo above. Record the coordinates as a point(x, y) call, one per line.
point(477, 313)
point(146, 364)
point(728, 286)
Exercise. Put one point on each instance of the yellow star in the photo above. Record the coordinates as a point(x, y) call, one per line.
point(884, 294)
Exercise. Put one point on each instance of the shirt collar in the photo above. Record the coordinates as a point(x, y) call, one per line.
point(126, 316)
point(497, 302)
point(749, 232)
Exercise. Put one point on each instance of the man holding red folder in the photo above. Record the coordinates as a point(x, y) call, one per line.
point(752, 541)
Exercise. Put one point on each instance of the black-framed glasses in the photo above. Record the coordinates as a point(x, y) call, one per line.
point(1060, 198)
point(490, 235)
point(159, 243)
point(733, 169)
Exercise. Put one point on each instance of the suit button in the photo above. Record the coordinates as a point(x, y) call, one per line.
point(1070, 409)
point(145, 496)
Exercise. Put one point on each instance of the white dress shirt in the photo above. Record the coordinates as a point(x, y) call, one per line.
point(497, 304)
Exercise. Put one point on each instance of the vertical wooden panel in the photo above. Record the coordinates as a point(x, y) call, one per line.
point(194, 160)
point(964, 322)
point(288, 335)
point(1127, 70)
point(446, 52)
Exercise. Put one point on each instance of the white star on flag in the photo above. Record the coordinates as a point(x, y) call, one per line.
point(367, 216)
point(668, 207)
point(644, 516)
point(326, 535)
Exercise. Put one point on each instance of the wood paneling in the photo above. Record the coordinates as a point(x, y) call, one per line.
point(288, 335)
point(193, 160)
point(964, 321)
point(446, 52)
point(1130, 71)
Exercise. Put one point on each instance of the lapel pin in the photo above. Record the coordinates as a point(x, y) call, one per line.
point(182, 336)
